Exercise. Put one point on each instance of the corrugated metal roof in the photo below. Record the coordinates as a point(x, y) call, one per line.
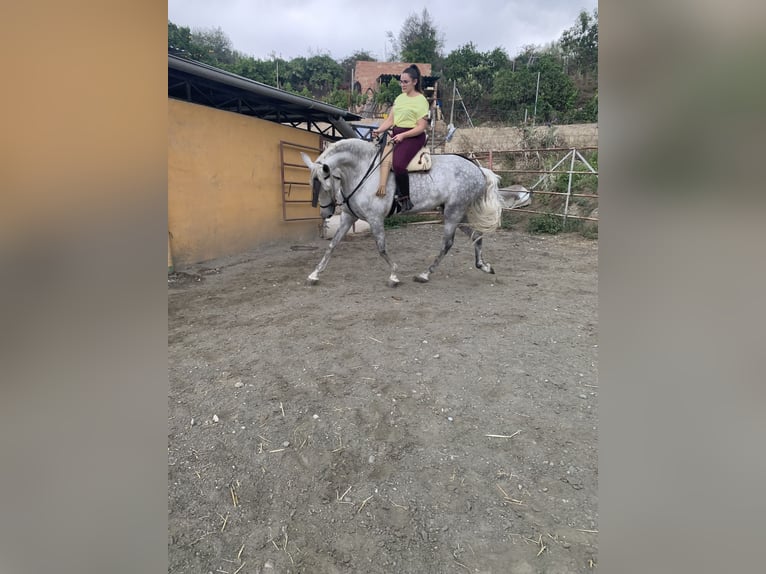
point(210, 86)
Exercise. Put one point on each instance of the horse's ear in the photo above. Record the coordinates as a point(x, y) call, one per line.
point(307, 161)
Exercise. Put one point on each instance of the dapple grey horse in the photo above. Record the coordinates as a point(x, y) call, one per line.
point(347, 174)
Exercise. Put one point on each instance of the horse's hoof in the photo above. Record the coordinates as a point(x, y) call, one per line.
point(422, 278)
point(392, 283)
point(311, 281)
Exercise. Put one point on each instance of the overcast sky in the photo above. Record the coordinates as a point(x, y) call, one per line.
point(292, 28)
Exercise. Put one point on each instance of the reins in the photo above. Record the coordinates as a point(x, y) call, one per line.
point(370, 170)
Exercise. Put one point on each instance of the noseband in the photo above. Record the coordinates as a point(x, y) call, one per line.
point(315, 195)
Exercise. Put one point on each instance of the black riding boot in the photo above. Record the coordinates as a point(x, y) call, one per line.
point(402, 196)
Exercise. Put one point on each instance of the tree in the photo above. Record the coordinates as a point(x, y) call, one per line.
point(323, 74)
point(475, 73)
point(179, 38)
point(392, 56)
point(343, 99)
point(248, 67)
point(180, 41)
point(215, 44)
point(419, 40)
point(515, 89)
point(388, 92)
point(579, 44)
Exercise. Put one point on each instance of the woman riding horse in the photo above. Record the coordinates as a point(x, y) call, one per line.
point(409, 116)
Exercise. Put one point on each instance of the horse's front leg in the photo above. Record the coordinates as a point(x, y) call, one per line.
point(377, 229)
point(346, 221)
point(476, 239)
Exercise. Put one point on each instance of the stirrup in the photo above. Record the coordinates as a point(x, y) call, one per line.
point(404, 203)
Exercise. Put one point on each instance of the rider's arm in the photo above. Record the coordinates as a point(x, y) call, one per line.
point(387, 123)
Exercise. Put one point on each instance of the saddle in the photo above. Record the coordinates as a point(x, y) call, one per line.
point(421, 161)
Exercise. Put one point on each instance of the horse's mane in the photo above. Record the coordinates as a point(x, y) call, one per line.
point(351, 145)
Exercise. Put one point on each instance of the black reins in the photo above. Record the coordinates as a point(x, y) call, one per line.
point(370, 169)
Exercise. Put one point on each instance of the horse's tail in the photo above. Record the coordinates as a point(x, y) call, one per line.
point(485, 213)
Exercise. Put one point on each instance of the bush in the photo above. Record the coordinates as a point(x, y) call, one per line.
point(550, 224)
point(509, 219)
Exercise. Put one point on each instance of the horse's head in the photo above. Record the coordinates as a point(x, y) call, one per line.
point(324, 184)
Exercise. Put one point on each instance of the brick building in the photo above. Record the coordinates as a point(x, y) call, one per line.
point(366, 74)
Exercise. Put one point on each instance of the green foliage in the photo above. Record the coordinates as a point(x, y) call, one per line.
point(341, 99)
point(579, 44)
point(591, 109)
point(215, 44)
point(474, 72)
point(320, 75)
point(554, 224)
point(584, 114)
point(419, 39)
point(388, 93)
point(323, 74)
point(550, 224)
point(515, 90)
point(583, 181)
point(592, 159)
point(179, 38)
point(305, 93)
point(182, 42)
point(258, 70)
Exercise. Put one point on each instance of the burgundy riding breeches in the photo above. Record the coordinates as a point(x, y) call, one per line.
point(406, 149)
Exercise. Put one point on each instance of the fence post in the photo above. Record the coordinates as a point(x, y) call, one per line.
point(569, 184)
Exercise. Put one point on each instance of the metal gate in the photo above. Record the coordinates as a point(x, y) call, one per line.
point(296, 191)
point(569, 160)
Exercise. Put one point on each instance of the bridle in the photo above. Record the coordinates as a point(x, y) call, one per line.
point(373, 165)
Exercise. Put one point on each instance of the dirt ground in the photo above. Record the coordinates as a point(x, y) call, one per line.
point(354, 428)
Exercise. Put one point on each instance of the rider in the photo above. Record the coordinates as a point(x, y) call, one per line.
point(409, 116)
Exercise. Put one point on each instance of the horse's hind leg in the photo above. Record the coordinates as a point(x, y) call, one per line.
point(476, 238)
point(447, 241)
point(346, 221)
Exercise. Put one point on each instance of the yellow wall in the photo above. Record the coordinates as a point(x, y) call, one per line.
point(224, 183)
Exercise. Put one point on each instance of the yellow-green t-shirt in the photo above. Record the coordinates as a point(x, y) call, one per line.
point(407, 110)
